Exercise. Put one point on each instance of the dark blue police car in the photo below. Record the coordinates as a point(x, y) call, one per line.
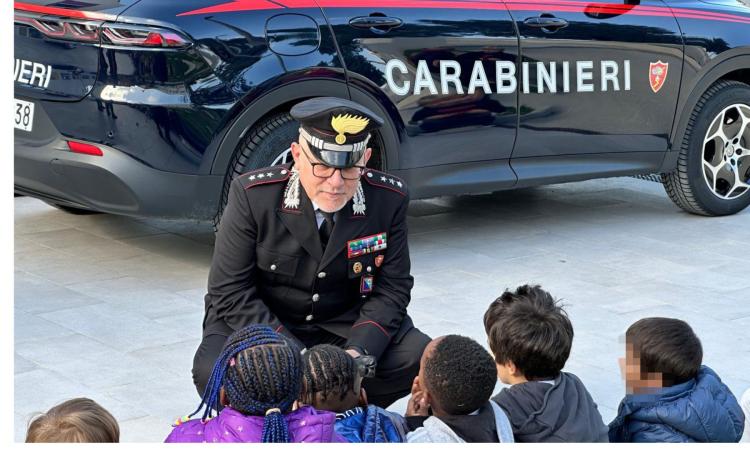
point(151, 107)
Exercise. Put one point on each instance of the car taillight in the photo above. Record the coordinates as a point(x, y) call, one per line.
point(139, 36)
point(64, 29)
point(105, 33)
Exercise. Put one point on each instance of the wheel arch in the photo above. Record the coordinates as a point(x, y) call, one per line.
point(733, 66)
point(283, 97)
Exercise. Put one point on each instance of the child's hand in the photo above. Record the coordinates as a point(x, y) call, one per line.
point(418, 405)
point(415, 387)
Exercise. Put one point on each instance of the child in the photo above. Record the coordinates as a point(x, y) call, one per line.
point(76, 420)
point(455, 381)
point(332, 382)
point(257, 380)
point(670, 396)
point(531, 336)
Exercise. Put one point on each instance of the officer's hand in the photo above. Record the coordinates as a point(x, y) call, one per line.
point(354, 353)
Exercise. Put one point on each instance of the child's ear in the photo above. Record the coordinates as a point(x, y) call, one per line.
point(362, 398)
point(512, 369)
point(223, 397)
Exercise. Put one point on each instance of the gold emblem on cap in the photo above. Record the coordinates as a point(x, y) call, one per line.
point(357, 267)
point(347, 123)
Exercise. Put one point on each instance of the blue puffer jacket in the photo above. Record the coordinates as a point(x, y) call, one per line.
point(700, 410)
point(373, 424)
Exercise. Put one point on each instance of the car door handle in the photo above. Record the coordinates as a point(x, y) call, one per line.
point(550, 23)
point(377, 23)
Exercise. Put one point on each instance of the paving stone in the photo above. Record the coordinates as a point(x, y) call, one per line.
point(73, 270)
point(137, 296)
point(44, 389)
point(34, 294)
point(28, 327)
point(59, 350)
point(167, 398)
point(70, 237)
point(173, 246)
point(21, 364)
point(20, 424)
point(117, 327)
point(176, 358)
point(104, 371)
point(144, 429)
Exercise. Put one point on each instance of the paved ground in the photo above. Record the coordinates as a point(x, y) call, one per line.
point(111, 307)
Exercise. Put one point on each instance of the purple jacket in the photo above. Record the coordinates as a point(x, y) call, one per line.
point(305, 425)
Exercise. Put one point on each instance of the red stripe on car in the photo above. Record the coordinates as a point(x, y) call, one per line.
point(62, 12)
point(513, 5)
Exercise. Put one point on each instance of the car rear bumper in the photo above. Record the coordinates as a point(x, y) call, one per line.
point(113, 183)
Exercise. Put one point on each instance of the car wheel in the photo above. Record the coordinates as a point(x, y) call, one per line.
point(713, 168)
point(268, 144)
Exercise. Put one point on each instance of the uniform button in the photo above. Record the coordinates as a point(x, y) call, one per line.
point(369, 174)
point(315, 297)
point(309, 318)
point(273, 266)
point(369, 268)
point(322, 275)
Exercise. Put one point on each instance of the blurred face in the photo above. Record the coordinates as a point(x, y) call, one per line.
point(635, 381)
point(330, 194)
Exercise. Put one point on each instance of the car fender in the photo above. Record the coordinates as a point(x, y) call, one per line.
point(725, 63)
point(292, 88)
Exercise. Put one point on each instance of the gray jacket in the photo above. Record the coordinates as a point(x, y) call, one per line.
point(435, 430)
point(559, 412)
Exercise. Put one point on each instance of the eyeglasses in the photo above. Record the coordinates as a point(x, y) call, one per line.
point(321, 170)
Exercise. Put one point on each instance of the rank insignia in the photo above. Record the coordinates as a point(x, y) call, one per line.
point(365, 287)
point(379, 260)
point(365, 245)
point(357, 267)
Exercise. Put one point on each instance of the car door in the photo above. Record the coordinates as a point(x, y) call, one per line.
point(598, 87)
point(422, 57)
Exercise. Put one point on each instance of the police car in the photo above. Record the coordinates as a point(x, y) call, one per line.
point(152, 107)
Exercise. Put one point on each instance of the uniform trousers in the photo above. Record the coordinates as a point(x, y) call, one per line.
point(395, 372)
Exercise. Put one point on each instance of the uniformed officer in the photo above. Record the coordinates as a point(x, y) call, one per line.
point(319, 251)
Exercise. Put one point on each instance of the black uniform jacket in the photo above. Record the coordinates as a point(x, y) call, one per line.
point(268, 266)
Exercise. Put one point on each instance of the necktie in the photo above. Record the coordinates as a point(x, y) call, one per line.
point(326, 228)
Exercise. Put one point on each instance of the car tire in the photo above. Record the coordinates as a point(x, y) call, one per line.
point(267, 144)
point(712, 177)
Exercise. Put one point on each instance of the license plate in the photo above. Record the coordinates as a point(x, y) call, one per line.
point(23, 117)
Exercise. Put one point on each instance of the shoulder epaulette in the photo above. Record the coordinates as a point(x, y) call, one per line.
point(265, 175)
point(386, 181)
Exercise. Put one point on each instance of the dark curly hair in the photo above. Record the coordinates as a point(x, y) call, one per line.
point(459, 374)
point(529, 328)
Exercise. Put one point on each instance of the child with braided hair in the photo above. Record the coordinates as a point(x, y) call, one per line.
point(255, 383)
point(333, 382)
